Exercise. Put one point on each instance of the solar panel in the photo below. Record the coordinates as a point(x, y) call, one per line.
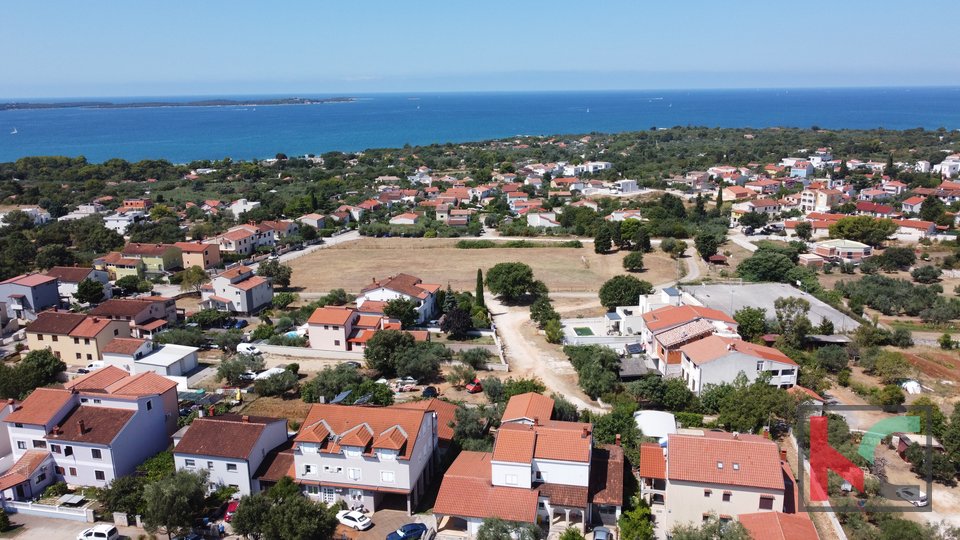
point(341, 396)
point(363, 400)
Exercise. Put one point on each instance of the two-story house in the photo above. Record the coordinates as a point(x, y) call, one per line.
point(69, 278)
point(118, 267)
point(156, 258)
point(716, 360)
point(243, 240)
point(819, 200)
point(701, 474)
point(240, 206)
point(237, 290)
point(146, 316)
point(668, 328)
point(340, 328)
point(412, 288)
point(361, 455)
point(75, 338)
point(99, 428)
point(540, 471)
point(199, 254)
point(201, 447)
point(25, 296)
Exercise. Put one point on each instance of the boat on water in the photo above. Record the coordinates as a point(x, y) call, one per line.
point(14, 132)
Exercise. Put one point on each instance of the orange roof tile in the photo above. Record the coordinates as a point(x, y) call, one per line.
point(250, 283)
point(778, 526)
point(516, 444)
point(670, 316)
point(391, 439)
point(40, 406)
point(719, 458)
point(97, 380)
point(652, 462)
point(90, 327)
point(446, 415)
point(331, 315)
point(360, 435)
point(531, 406)
point(467, 491)
point(144, 384)
point(23, 468)
point(344, 421)
point(126, 346)
point(714, 347)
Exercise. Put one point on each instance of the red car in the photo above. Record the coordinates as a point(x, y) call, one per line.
point(231, 510)
point(475, 387)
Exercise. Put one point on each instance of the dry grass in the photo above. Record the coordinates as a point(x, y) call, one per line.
point(351, 266)
point(293, 410)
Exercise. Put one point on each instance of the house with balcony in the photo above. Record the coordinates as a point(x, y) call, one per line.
point(121, 220)
point(75, 338)
point(819, 200)
point(146, 316)
point(156, 258)
point(237, 290)
point(199, 254)
point(770, 207)
point(69, 278)
point(118, 267)
point(667, 329)
point(715, 360)
point(700, 474)
point(200, 447)
point(540, 471)
point(243, 240)
point(25, 296)
point(366, 456)
point(100, 427)
point(340, 328)
point(423, 295)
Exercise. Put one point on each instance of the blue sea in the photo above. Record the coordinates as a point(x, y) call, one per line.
point(183, 134)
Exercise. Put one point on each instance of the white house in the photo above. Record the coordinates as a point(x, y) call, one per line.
point(35, 213)
point(547, 220)
point(237, 290)
point(407, 218)
point(715, 360)
point(229, 447)
point(626, 186)
point(244, 239)
point(412, 288)
point(69, 278)
point(121, 221)
point(240, 206)
point(135, 355)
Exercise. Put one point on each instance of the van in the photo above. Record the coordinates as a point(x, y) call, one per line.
point(95, 365)
point(100, 532)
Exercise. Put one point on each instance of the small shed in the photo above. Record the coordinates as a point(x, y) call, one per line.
point(717, 259)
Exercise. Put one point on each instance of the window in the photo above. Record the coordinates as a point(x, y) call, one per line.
point(59, 470)
point(726, 496)
point(73, 471)
point(313, 490)
point(760, 365)
point(76, 341)
point(17, 424)
point(99, 475)
point(116, 331)
point(308, 469)
point(766, 502)
point(68, 450)
point(22, 445)
point(79, 356)
point(96, 453)
point(510, 479)
point(210, 465)
point(149, 405)
point(720, 465)
point(54, 338)
point(336, 343)
point(96, 401)
point(84, 400)
point(41, 477)
point(39, 337)
point(86, 341)
point(387, 477)
point(736, 466)
point(707, 492)
point(189, 463)
point(231, 467)
point(55, 448)
point(353, 474)
point(89, 356)
point(39, 444)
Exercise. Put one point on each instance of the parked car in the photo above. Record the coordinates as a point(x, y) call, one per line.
point(401, 387)
point(231, 510)
point(248, 348)
point(100, 532)
point(248, 376)
point(83, 371)
point(474, 387)
point(240, 324)
point(273, 257)
point(913, 496)
point(408, 380)
point(430, 392)
point(601, 533)
point(95, 365)
point(228, 323)
point(354, 520)
point(408, 531)
point(353, 364)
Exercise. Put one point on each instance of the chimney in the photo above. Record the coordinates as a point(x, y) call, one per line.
point(586, 432)
point(736, 435)
point(536, 420)
point(783, 454)
point(617, 440)
point(96, 319)
point(82, 426)
point(245, 419)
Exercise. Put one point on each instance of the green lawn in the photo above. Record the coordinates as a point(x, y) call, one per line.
point(583, 331)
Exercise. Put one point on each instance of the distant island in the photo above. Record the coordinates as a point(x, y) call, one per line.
point(144, 104)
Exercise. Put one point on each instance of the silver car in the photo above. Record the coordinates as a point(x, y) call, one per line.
point(913, 496)
point(602, 533)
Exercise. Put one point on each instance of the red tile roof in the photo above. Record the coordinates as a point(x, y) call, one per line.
point(404, 284)
point(101, 425)
point(23, 468)
point(40, 406)
point(29, 280)
point(467, 491)
point(331, 315)
point(446, 415)
point(69, 274)
point(97, 380)
point(606, 475)
point(90, 327)
point(747, 460)
point(530, 406)
point(515, 445)
point(714, 347)
point(250, 283)
point(778, 526)
point(55, 322)
point(206, 436)
point(144, 384)
point(354, 425)
point(670, 316)
point(652, 462)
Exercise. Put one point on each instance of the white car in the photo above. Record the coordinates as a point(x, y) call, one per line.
point(248, 348)
point(100, 532)
point(913, 495)
point(354, 520)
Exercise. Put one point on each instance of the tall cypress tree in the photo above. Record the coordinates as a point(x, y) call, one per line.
point(479, 291)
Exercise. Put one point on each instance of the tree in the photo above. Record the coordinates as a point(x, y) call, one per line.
point(280, 274)
point(641, 239)
point(172, 504)
point(498, 529)
point(866, 229)
point(542, 312)
point(284, 299)
point(633, 262)
point(792, 318)
point(54, 255)
point(897, 258)
point(833, 358)
point(459, 376)
point(233, 369)
point(711, 529)
point(456, 323)
point(193, 278)
point(476, 358)
point(89, 291)
point(931, 209)
point(924, 407)
point(602, 241)
point(623, 291)
point(133, 284)
point(890, 397)
point(478, 292)
point(753, 219)
point(803, 230)
point(252, 515)
point(751, 322)
point(329, 382)
point(554, 331)
point(765, 265)
point(276, 384)
point(571, 534)
point(511, 281)
point(901, 338)
point(707, 244)
point(946, 341)
point(37, 368)
point(299, 518)
point(926, 274)
point(404, 310)
point(382, 349)
point(826, 327)
point(637, 523)
point(123, 494)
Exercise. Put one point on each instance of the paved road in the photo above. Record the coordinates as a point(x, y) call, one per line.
point(742, 241)
point(327, 242)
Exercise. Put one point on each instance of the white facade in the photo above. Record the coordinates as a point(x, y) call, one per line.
point(726, 369)
point(121, 222)
point(240, 206)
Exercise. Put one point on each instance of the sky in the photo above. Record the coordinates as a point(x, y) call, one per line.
point(66, 48)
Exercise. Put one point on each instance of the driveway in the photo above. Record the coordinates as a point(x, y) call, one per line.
point(58, 529)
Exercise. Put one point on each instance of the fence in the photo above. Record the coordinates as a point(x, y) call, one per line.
point(837, 528)
point(50, 511)
point(307, 352)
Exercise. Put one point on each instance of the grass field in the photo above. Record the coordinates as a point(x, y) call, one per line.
point(353, 265)
point(293, 410)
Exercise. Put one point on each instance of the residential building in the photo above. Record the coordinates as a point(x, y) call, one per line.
point(912, 230)
point(75, 338)
point(29, 476)
point(912, 205)
point(819, 200)
point(407, 218)
point(802, 169)
point(317, 221)
point(145, 316)
point(26, 295)
point(737, 193)
point(339, 328)
point(625, 186)
point(157, 258)
point(38, 215)
point(239, 206)
point(628, 320)
point(243, 239)
point(412, 288)
point(540, 471)
point(547, 220)
point(623, 215)
point(237, 290)
point(69, 278)
point(137, 355)
point(699, 474)
point(764, 186)
point(364, 455)
point(142, 205)
point(118, 267)
point(715, 360)
point(199, 254)
point(667, 329)
point(770, 207)
point(100, 427)
point(841, 250)
point(778, 526)
point(200, 447)
point(873, 209)
point(281, 228)
point(121, 221)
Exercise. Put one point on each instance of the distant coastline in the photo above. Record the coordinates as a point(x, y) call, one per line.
point(151, 104)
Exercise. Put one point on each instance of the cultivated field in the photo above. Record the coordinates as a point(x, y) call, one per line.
point(352, 265)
